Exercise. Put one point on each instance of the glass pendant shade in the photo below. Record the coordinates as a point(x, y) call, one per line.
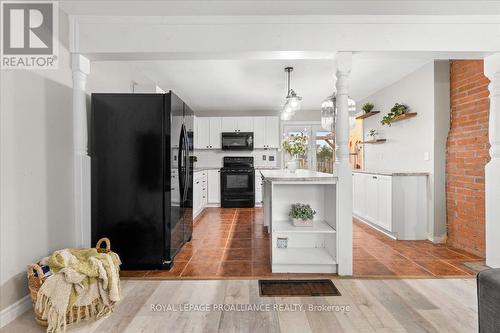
point(292, 100)
point(286, 115)
point(328, 113)
point(351, 107)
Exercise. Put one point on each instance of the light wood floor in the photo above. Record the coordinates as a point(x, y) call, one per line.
point(376, 305)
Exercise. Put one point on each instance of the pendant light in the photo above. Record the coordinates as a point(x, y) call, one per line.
point(292, 100)
point(329, 112)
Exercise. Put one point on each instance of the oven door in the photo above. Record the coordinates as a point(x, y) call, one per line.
point(237, 141)
point(238, 183)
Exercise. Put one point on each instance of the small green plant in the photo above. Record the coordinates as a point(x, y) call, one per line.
point(368, 107)
point(373, 133)
point(295, 145)
point(301, 211)
point(397, 110)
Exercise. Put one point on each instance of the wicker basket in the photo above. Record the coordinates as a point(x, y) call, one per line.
point(35, 282)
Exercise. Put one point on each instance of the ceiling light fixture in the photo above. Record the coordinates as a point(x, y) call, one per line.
point(329, 112)
point(292, 100)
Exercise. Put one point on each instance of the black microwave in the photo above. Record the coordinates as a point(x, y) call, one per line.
point(237, 140)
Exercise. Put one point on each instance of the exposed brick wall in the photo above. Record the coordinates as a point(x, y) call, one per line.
point(467, 155)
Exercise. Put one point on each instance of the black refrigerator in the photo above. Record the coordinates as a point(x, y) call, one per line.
point(142, 176)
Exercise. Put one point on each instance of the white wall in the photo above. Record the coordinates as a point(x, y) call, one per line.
point(36, 157)
point(410, 141)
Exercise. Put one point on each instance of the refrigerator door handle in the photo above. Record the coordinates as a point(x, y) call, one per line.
point(180, 160)
point(186, 156)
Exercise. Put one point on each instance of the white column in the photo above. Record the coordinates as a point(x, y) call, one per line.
point(81, 68)
point(344, 190)
point(492, 170)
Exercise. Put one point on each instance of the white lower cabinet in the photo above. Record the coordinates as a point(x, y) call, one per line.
point(200, 194)
point(213, 186)
point(397, 205)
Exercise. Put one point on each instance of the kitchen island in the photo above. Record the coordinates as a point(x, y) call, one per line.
point(301, 249)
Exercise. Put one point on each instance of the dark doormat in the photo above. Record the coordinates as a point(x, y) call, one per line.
point(297, 288)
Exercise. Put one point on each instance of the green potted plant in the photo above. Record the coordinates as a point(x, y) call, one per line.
point(373, 134)
point(367, 107)
point(295, 145)
point(397, 110)
point(302, 215)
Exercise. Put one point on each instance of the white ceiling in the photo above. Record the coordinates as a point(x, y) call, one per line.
point(260, 85)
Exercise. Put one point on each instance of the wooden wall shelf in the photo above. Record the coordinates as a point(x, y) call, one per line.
point(375, 141)
point(367, 114)
point(404, 116)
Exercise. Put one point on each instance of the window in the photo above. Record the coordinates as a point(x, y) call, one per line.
point(320, 155)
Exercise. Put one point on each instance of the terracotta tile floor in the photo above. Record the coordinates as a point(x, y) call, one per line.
point(226, 243)
point(375, 254)
point(233, 243)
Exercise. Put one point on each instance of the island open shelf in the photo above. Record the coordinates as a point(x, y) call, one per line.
point(308, 249)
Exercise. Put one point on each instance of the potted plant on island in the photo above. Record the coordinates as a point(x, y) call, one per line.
point(302, 215)
point(397, 110)
point(295, 145)
point(367, 107)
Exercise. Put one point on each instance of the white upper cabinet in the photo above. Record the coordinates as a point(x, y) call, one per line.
point(229, 124)
point(272, 132)
point(259, 132)
point(237, 124)
point(202, 135)
point(215, 132)
point(245, 124)
point(266, 132)
point(208, 133)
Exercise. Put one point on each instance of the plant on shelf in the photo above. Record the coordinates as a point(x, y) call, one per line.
point(368, 107)
point(302, 215)
point(295, 145)
point(396, 111)
point(373, 134)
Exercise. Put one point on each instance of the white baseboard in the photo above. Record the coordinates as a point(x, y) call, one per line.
point(373, 226)
point(15, 310)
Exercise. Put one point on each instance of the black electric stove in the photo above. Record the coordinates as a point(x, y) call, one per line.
point(237, 182)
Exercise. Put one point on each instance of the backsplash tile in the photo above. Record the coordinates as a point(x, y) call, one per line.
point(213, 158)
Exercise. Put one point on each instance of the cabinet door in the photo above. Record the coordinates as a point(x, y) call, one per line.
point(371, 212)
point(214, 186)
point(259, 132)
point(358, 190)
point(245, 124)
point(229, 124)
point(384, 202)
point(196, 195)
point(202, 133)
point(272, 132)
point(215, 132)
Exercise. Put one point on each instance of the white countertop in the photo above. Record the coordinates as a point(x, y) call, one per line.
point(298, 175)
point(391, 172)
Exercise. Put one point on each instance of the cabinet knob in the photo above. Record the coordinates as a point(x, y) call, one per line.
point(374, 177)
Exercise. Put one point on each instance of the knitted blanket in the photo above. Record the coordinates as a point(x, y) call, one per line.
point(81, 278)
